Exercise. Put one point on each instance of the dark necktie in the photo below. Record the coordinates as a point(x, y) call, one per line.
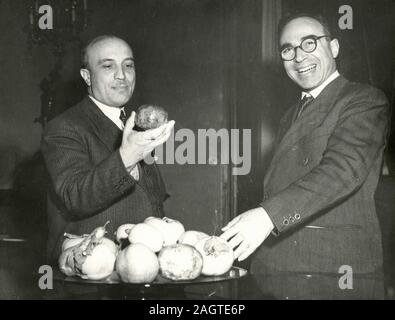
point(122, 116)
point(302, 105)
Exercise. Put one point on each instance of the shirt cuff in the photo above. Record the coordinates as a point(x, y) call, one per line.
point(275, 231)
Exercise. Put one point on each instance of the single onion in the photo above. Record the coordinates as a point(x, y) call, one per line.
point(137, 264)
point(89, 256)
point(217, 255)
point(180, 262)
point(150, 117)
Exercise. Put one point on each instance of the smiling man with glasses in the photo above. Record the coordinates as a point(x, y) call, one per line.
point(318, 209)
point(308, 52)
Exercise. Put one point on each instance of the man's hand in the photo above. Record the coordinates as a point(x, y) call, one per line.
point(247, 231)
point(137, 145)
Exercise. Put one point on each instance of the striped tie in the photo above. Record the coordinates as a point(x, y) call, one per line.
point(122, 116)
point(302, 105)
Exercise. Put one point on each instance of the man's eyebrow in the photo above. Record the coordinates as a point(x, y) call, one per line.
point(309, 36)
point(286, 45)
point(101, 61)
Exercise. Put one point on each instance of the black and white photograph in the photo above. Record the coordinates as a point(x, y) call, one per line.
point(197, 150)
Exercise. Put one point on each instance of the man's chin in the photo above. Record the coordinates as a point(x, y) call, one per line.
point(120, 102)
point(307, 85)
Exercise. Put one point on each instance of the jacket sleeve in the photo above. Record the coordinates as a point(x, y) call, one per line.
point(84, 188)
point(355, 144)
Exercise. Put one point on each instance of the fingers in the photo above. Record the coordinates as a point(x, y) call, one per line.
point(169, 127)
point(236, 240)
point(130, 122)
point(170, 124)
point(231, 223)
point(160, 140)
point(156, 133)
point(244, 255)
point(229, 233)
point(243, 249)
point(150, 145)
point(244, 246)
point(163, 137)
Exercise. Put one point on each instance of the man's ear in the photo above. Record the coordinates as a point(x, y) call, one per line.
point(335, 47)
point(86, 75)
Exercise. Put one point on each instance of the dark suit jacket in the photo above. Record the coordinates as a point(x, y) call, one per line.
point(89, 183)
point(324, 174)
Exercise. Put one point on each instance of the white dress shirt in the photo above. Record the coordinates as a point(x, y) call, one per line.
point(113, 114)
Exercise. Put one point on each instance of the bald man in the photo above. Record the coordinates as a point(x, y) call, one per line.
point(96, 161)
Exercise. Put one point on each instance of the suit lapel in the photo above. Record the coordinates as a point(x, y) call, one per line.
point(104, 128)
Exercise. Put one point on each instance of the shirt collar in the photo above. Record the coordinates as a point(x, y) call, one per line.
point(112, 113)
point(315, 92)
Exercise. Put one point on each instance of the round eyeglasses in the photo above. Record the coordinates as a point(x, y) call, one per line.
point(308, 45)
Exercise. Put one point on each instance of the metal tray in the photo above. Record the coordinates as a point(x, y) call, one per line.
point(233, 274)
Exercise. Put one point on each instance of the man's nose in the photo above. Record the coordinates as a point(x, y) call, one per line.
point(299, 54)
point(120, 73)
